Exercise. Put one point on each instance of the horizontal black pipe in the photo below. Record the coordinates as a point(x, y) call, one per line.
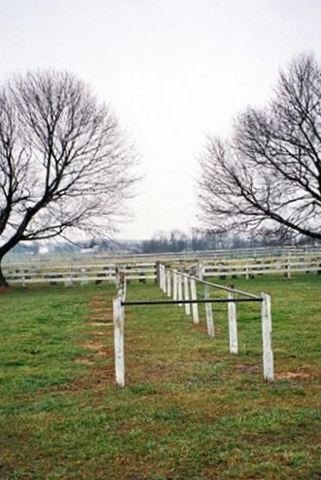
point(175, 302)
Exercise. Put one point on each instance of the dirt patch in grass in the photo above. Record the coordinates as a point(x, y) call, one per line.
point(84, 361)
point(294, 375)
point(98, 301)
point(98, 347)
point(247, 368)
point(93, 345)
point(97, 378)
point(100, 308)
point(141, 373)
point(203, 329)
point(94, 319)
point(100, 324)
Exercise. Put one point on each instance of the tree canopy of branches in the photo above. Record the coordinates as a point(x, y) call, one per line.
point(65, 166)
point(267, 177)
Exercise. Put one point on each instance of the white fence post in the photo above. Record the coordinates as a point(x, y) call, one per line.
point(247, 275)
point(175, 292)
point(209, 314)
point(179, 289)
point(169, 283)
point(268, 363)
point(124, 291)
point(84, 277)
point(117, 277)
point(161, 276)
point(200, 268)
point(232, 324)
point(288, 268)
point(164, 280)
point(118, 317)
point(186, 296)
point(194, 305)
point(68, 280)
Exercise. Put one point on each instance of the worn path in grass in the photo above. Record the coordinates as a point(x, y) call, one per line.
point(190, 410)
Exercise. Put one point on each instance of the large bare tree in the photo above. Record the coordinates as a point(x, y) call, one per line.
point(267, 177)
point(64, 163)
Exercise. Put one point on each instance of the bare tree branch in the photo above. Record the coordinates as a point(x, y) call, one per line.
point(267, 178)
point(65, 166)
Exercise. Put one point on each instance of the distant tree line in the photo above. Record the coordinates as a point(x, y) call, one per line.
point(177, 241)
point(173, 241)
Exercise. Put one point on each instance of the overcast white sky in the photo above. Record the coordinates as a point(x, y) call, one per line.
point(172, 70)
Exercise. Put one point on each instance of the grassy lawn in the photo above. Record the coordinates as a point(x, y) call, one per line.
point(191, 410)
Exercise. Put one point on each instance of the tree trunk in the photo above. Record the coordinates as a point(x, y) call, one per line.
point(3, 281)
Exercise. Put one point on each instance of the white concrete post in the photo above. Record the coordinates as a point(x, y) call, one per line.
point(180, 289)
point(124, 292)
point(161, 282)
point(268, 363)
point(160, 276)
point(175, 285)
point(232, 324)
point(247, 276)
point(288, 268)
point(84, 277)
point(110, 274)
point(68, 280)
point(209, 314)
point(165, 279)
point(117, 277)
point(118, 317)
point(200, 268)
point(194, 305)
point(169, 283)
point(186, 296)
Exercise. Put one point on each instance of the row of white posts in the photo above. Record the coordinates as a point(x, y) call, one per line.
point(181, 286)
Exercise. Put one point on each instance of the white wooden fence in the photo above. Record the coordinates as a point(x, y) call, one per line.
point(250, 267)
point(83, 273)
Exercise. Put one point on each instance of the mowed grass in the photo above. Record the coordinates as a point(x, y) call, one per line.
point(190, 409)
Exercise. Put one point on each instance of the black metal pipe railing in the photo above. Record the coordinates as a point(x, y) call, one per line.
point(179, 302)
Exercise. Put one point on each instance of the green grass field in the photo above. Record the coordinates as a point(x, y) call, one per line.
point(191, 410)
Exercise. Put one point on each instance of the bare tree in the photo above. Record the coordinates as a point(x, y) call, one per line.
point(64, 163)
point(267, 178)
